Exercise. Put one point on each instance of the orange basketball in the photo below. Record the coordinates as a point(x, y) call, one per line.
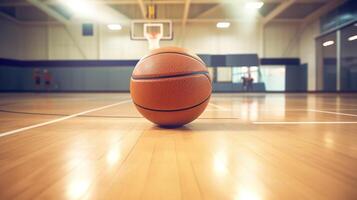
point(170, 86)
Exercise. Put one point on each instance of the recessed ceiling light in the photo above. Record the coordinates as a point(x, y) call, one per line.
point(352, 38)
point(114, 27)
point(223, 25)
point(328, 43)
point(254, 5)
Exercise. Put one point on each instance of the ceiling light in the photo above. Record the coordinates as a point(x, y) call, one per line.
point(81, 8)
point(90, 11)
point(223, 25)
point(352, 38)
point(254, 5)
point(114, 27)
point(328, 43)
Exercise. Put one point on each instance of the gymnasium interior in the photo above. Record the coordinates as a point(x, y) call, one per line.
point(178, 99)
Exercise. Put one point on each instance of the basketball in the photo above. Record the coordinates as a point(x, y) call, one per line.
point(170, 86)
point(96, 102)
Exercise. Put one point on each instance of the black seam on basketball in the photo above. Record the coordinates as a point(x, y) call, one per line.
point(181, 109)
point(209, 79)
point(169, 76)
point(173, 52)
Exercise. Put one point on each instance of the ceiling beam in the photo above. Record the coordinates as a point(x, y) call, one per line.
point(186, 12)
point(130, 2)
point(44, 7)
point(42, 23)
point(142, 8)
point(332, 4)
point(10, 18)
point(215, 20)
point(283, 6)
point(11, 4)
point(309, 19)
point(209, 11)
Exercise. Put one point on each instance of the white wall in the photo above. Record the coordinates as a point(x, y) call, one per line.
point(22, 42)
point(60, 42)
point(206, 38)
point(117, 45)
point(34, 43)
point(308, 51)
point(67, 42)
point(10, 40)
point(279, 40)
point(199, 37)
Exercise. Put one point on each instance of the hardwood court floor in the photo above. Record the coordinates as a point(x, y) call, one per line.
point(244, 147)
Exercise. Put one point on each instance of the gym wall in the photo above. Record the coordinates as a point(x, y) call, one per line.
point(83, 77)
point(57, 42)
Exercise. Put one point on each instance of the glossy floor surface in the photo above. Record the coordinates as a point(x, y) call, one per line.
point(244, 147)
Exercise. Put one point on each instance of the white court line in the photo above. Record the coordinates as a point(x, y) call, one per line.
point(330, 112)
point(219, 107)
point(306, 122)
point(61, 119)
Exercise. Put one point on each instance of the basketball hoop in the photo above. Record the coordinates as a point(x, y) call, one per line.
point(153, 39)
point(153, 32)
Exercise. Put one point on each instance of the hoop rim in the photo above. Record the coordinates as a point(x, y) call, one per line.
point(149, 36)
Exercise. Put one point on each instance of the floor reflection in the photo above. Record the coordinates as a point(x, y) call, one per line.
point(113, 155)
point(219, 163)
point(77, 188)
point(328, 140)
point(247, 193)
point(81, 176)
point(79, 180)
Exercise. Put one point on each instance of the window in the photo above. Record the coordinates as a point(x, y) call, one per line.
point(239, 72)
point(273, 77)
point(224, 74)
point(348, 74)
point(87, 29)
point(211, 73)
point(326, 62)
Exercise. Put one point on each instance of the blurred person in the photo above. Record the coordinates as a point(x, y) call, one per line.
point(247, 82)
point(36, 76)
point(250, 81)
point(47, 77)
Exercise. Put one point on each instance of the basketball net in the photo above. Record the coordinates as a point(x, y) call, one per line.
point(153, 39)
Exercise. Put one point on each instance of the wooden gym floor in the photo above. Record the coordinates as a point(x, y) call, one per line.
point(244, 147)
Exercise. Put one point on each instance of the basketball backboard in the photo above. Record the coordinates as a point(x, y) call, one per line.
point(140, 28)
